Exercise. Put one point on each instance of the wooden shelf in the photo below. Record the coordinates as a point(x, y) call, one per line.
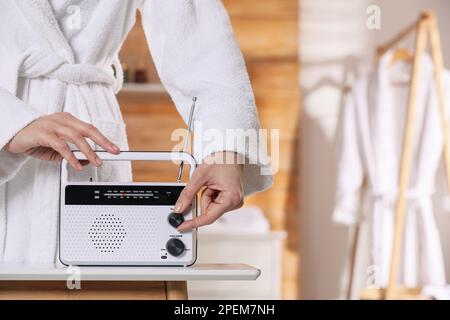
point(224, 272)
point(146, 90)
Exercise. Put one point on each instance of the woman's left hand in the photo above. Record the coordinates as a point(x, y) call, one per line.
point(222, 185)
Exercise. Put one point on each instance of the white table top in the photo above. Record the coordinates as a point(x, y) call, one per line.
point(224, 272)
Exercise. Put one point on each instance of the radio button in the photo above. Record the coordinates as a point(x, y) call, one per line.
point(175, 219)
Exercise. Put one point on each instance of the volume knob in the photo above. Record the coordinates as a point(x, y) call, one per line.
point(175, 247)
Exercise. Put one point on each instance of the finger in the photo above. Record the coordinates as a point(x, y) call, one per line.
point(86, 149)
point(214, 212)
point(95, 135)
point(63, 149)
point(208, 196)
point(220, 204)
point(81, 143)
point(235, 199)
point(90, 131)
point(190, 190)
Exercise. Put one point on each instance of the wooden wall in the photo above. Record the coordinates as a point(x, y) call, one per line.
point(267, 32)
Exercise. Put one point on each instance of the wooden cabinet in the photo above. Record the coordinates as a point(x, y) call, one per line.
point(263, 251)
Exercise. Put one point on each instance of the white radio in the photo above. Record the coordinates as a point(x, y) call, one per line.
point(106, 224)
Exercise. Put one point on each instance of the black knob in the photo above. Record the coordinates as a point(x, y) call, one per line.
point(175, 219)
point(175, 247)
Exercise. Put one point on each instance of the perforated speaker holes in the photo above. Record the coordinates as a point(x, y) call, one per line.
point(107, 233)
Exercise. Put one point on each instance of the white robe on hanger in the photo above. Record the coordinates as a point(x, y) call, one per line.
point(42, 72)
point(373, 122)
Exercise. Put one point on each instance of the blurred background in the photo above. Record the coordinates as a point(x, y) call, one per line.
point(302, 56)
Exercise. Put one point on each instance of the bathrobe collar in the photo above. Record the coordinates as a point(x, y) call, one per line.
point(40, 15)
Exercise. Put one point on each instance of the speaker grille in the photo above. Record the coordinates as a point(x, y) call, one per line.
point(107, 233)
point(110, 235)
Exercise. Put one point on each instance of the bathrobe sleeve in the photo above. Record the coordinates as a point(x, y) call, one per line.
point(15, 115)
point(196, 54)
point(350, 169)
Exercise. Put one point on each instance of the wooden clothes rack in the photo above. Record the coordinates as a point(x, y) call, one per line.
point(426, 26)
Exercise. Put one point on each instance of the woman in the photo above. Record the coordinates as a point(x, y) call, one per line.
point(57, 91)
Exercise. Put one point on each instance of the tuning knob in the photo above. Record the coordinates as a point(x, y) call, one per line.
point(175, 219)
point(175, 247)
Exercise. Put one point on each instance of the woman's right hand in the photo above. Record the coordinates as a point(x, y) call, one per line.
point(46, 138)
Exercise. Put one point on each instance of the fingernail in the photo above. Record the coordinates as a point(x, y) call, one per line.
point(178, 207)
point(98, 162)
point(181, 230)
point(79, 167)
point(115, 148)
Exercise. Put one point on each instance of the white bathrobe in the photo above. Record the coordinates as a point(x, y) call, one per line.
point(373, 122)
point(43, 72)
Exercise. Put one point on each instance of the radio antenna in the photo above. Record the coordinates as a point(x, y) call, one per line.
point(187, 136)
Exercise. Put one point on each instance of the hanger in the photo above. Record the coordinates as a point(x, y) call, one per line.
point(398, 54)
point(402, 54)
